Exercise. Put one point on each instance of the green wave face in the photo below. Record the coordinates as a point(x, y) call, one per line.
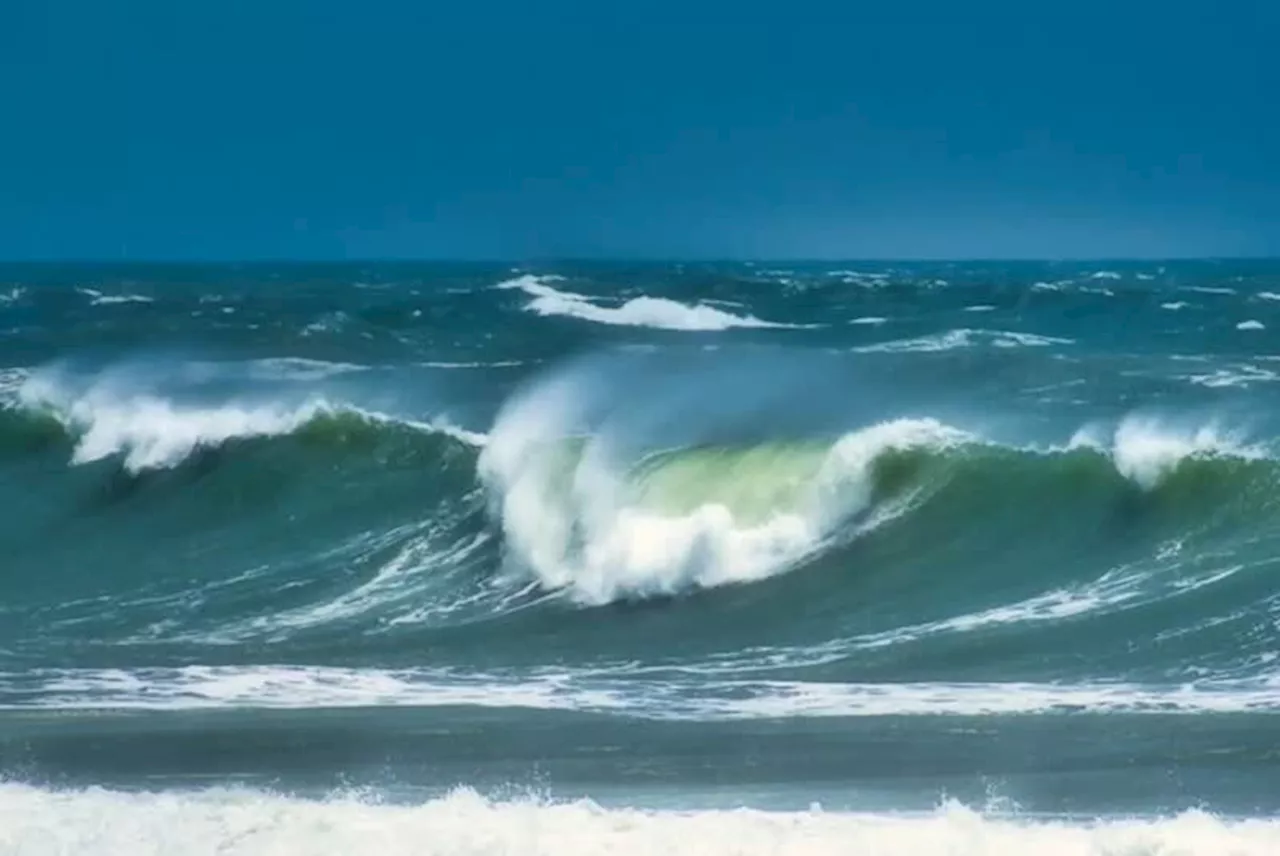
point(753, 482)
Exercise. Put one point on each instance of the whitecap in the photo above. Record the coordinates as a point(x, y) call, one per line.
point(1147, 449)
point(654, 312)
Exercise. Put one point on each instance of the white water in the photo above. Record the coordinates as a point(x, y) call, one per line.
point(690, 695)
point(244, 822)
point(655, 312)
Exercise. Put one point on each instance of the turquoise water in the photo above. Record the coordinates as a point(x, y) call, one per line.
point(435, 557)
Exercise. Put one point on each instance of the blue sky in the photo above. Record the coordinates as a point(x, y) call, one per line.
point(392, 128)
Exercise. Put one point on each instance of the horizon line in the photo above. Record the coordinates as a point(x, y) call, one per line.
point(622, 259)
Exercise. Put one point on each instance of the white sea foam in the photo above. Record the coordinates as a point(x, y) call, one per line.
point(422, 564)
point(97, 298)
point(472, 364)
point(873, 320)
point(982, 307)
point(1121, 588)
point(1104, 274)
point(330, 322)
point(965, 338)
point(694, 698)
point(300, 368)
point(1111, 591)
point(864, 278)
point(655, 312)
point(246, 822)
point(12, 379)
point(1251, 324)
point(1175, 305)
point(1268, 295)
point(1238, 375)
point(1210, 289)
point(110, 299)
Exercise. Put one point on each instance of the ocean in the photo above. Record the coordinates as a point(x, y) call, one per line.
point(715, 558)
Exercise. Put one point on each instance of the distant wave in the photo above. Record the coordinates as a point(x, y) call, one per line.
point(655, 312)
point(97, 298)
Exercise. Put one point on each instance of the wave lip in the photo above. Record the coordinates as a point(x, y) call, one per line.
point(246, 822)
point(654, 312)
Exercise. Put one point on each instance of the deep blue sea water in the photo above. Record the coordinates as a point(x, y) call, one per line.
point(972, 558)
